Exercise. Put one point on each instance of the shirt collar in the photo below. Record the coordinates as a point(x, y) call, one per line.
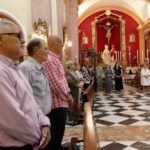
point(9, 62)
point(53, 54)
point(36, 63)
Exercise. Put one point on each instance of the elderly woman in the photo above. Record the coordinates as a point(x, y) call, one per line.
point(108, 79)
point(118, 77)
point(74, 88)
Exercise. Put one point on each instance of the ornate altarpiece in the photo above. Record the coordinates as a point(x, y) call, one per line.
point(109, 15)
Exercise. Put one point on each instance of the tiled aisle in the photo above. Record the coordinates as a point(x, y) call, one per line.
point(129, 107)
point(122, 120)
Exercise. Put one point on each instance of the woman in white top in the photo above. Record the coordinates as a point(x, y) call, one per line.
point(145, 82)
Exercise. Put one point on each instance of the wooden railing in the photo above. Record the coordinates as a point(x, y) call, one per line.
point(90, 135)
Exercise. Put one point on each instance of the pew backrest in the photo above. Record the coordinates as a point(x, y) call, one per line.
point(90, 136)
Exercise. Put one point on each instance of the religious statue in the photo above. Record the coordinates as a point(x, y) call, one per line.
point(84, 39)
point(106, 55)
point(108, 27)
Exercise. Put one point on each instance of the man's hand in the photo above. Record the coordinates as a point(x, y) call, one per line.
point(46, 136)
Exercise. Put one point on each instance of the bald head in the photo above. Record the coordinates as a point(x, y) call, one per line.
point(55, 44)
point(7, 26)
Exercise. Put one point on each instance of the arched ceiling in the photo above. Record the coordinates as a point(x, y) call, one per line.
point(140, 9)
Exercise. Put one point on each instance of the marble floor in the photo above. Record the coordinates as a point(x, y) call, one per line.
point(122, 120)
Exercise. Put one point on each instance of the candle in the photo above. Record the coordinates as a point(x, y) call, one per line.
point(129, 55)
point(137, 55)
point(120, 56)
point(117, 56)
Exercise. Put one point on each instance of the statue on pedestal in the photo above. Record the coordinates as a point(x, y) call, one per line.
point(106, 55)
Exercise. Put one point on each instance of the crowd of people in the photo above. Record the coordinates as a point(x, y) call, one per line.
point(35, 95)
point(38, 96)
point(109, 78)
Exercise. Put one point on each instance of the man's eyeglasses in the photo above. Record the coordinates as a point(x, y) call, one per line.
point(17, 35)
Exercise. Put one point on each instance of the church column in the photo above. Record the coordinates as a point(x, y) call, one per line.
point(72, 29)
point(123, 44)
point(94, 35)
point(141, 45)
point(54, 21)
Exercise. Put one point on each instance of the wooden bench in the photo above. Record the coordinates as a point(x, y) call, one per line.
point(90, 94)
point(90, 135)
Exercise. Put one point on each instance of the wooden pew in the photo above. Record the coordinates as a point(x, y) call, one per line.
point(90, 135)
point(90, 94)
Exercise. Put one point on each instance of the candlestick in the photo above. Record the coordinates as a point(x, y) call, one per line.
point(117, 55)
point(137, 55)
point(120, 56)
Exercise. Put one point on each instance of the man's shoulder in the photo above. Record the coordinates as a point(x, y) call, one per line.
point(3, 68)
point(27, 63)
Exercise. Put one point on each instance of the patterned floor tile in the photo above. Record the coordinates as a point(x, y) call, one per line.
point(129, 107)
point(126, 112)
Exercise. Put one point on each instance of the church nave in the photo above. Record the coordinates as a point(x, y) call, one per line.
point(122, 120)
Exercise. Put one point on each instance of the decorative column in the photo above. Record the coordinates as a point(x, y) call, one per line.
point(123, 44)
point(94, 35)
point(141, 46)
point(72, 29)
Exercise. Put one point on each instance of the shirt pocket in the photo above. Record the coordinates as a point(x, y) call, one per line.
point(39, 81)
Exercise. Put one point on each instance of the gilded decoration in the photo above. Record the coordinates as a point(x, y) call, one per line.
point(123, 44)
point(108, 27)
point(40, 28)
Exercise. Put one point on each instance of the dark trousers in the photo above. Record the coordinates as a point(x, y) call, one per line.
point(26, 147)
point(58, 121)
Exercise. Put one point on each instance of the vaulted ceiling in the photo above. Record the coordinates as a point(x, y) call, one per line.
point(141, 8)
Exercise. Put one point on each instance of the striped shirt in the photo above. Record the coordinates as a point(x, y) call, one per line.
point(58, 83)
point(21, 120)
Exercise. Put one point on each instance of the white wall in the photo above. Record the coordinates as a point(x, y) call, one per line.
point(20, 10)
point(137, 6)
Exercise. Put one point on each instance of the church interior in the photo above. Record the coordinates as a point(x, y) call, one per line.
point(88, 28)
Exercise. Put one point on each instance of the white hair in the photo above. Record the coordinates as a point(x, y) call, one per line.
point(7, 26)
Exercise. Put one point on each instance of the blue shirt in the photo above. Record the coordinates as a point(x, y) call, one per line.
point(37, 78)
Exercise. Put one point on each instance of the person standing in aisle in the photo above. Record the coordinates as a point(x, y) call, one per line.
point(108, 79)
point(118, 77)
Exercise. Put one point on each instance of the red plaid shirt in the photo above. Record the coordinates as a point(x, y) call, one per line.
point(58, 83)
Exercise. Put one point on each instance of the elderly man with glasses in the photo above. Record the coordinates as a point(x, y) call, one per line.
point(22, 124)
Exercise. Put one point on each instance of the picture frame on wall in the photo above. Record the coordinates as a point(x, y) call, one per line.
point(131, 38)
